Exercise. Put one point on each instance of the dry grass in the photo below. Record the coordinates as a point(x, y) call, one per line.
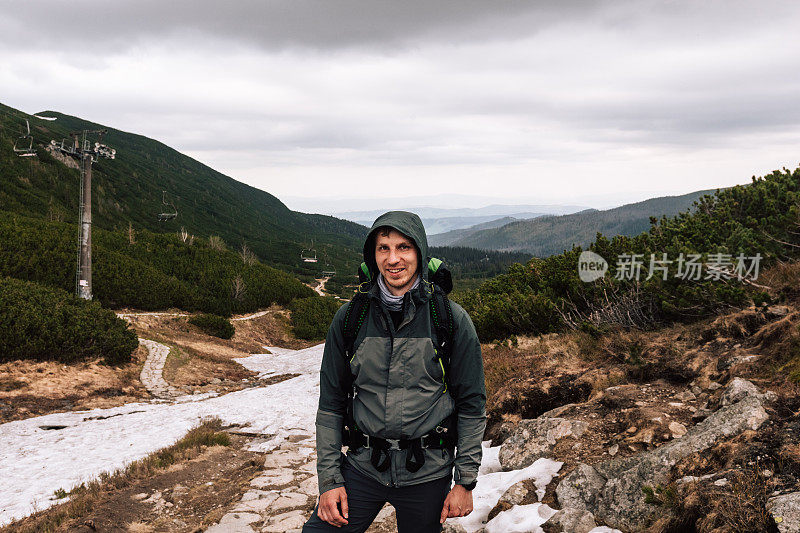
point(139, 527)
point(782, 279)
point(83, 497)
point(743, 509)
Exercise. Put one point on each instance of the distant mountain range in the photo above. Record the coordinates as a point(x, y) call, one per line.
point(440, 220)
point(147, 178)
point(548, 235)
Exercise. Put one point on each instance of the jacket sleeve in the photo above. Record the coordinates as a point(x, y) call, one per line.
point(334, 382)
point(469, 392)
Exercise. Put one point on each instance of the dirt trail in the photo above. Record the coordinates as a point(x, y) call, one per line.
point(320, 289)
point(283, 495)
point(152, 372)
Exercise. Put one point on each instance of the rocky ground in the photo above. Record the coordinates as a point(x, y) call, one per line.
point(698, 430)
point(686, 428)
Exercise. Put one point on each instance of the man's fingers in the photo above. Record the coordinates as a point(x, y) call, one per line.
point(445, 510)
point(344, 505)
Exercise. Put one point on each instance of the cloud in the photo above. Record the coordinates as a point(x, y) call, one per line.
point(316, 24)
point(481, 93)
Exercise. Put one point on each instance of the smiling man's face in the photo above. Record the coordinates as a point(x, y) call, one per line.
point(397, 260)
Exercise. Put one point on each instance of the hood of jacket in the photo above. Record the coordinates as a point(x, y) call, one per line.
point(406, 223)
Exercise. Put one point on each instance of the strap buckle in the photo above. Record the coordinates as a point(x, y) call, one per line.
point(394, 444)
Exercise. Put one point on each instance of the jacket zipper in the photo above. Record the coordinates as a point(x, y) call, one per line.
point(389, 325)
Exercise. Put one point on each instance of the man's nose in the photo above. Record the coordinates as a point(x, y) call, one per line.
point(394, 257)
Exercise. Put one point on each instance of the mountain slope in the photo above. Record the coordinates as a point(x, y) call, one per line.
point(449, 237)
point(546, 236)
point(130, 189)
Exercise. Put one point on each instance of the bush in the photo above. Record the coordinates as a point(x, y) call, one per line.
point(214, 325)
point(311, 317)
point(44, 323)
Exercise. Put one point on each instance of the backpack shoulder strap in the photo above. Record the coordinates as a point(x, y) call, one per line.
point(354, 316)
point(444, 325)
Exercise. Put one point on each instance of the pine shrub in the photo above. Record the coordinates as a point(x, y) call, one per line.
point(214, 325)
point(312, 316)
point(44, 323)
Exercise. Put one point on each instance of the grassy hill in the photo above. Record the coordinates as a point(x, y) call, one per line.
point(548, 235)
point(129, 189)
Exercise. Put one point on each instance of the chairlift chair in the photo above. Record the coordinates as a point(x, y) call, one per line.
point(330, 271)
point(23, 146)
point(309, 255)
point(165, 216)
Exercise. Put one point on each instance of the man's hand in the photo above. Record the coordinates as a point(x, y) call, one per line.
point(328, 509)
point(457, 503)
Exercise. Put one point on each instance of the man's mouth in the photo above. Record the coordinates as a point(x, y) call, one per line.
point(395, 270)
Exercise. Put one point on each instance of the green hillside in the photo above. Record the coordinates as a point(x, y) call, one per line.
point(128, 190)
point(149, 271)
point(544, 295)
point(548, 235)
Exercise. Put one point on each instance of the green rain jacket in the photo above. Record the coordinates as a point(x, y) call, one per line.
point(401, 390)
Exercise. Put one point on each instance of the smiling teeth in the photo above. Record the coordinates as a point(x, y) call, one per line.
point(395, 271)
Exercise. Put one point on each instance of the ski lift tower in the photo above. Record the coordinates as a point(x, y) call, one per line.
point(87, 154)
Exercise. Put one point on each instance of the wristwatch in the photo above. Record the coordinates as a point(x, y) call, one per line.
point(470, 486)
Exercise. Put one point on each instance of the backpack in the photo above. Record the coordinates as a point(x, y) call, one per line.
point(441, 312)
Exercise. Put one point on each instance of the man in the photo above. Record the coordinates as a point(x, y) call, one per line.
point(403, 398)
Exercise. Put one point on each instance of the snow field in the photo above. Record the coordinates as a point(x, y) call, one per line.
point(35, 461)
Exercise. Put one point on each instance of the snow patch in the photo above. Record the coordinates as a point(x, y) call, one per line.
point(492, 485)
point(521, 519)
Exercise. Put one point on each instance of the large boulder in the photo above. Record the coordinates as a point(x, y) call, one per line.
point(612, 490)
point(535, 438)
point(570, 521)
point(785, 509)
point(740, 388)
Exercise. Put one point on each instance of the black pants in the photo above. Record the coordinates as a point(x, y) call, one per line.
point(418, 507)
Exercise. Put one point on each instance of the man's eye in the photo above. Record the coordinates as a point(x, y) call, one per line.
point(403, 246)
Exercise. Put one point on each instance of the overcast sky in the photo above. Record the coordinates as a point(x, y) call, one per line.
point(593, 103)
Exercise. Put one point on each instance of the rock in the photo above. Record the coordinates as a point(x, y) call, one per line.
point(581, 488)
point(613, 450)
point(451, 527)
point(288, 500)
point(571, 521)
point(533, 439)
point(714, 386)
point(235, 522)
point(785, 509)
point(309, 486)
point(273, 480)
point(554, 413)
point(645, 436)
point(696, 390)
point(284, 522)
point(686, 396)
point(678, 430)
point(515, 494)
point(612, 490)
point(739, 388)
point(632, 430)
point(701, 414)
point(256, 506)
